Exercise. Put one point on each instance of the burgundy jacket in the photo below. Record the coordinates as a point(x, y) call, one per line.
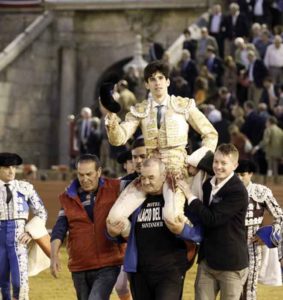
point(88, 246)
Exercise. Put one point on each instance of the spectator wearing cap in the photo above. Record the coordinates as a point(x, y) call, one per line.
point(261, 199)
point(17, 197)
point(214, 65)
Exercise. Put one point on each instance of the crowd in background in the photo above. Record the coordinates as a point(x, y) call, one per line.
point(234, 71)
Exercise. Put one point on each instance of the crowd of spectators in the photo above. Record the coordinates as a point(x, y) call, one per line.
point(234, 71)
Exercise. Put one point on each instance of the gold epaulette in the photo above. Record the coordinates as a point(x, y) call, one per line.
point(182, 105)
point(141, 110)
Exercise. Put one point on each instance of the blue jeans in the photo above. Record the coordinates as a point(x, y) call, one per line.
point(95, 284)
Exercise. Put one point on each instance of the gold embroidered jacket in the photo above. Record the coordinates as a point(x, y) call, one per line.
point(173, 133)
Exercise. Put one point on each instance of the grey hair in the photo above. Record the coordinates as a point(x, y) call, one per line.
point(153, 160)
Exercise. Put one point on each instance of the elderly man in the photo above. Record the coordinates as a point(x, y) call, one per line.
point(156, 259)
point(16, 198)
point(87, 132)
point(273, 60)
point(93, 260)
point(164, 121)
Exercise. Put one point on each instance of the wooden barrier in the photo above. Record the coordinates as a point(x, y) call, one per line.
point(50, 190)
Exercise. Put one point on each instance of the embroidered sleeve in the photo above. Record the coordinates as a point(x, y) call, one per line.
point(34, 201)
point(119, 134)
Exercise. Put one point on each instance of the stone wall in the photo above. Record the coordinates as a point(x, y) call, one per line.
point(59, 72)
point(12, 25)
point(29, 102)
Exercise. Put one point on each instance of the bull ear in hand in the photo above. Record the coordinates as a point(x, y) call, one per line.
point(106, 97)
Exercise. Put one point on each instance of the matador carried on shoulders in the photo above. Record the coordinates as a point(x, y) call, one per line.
point(164, 121)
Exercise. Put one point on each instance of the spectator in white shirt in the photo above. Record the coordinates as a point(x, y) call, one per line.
point(274, 60)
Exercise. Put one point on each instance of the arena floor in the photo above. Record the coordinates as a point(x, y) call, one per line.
point(45, 287)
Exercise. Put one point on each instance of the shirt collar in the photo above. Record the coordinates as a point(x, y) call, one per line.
point(249, 187)
point(222, 183)
point(2, 182)
point(164, 102)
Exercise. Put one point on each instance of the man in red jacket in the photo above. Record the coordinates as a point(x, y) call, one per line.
point(93, 259)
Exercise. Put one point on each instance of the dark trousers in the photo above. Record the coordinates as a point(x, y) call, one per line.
point(158, 285)
point(95, 284)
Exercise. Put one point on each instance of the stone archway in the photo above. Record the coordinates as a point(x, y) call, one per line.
point(112, 74)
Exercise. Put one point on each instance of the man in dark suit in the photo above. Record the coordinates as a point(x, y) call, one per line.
point(270, 94)
point(189, 43)
point(188, 70)
point(85, 127)
point(214, 65)
point(256, 73)
point(216, 27)
point(253, 128)
point(254, 124)
point(261, 11)
point(226, 100)
point(236, 25)
point(155, 50)
point(223, 255)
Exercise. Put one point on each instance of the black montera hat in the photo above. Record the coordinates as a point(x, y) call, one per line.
point(10, 159)
point(246, 165)
point(206, 162)
point(107, 99)
point(124, 156)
